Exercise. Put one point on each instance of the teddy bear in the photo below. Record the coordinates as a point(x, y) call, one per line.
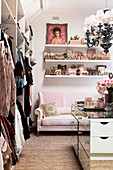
point(78, 55)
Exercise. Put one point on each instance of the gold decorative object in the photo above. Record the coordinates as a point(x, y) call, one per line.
point(105, 56)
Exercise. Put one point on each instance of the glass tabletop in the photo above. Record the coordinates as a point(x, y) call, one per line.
point(80, 111)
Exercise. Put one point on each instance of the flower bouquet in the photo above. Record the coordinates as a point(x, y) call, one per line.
point(106, 85)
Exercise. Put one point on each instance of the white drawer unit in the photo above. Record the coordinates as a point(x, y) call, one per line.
point(101, 128)
point(101, 144)
point(101, 138)
point(98, 120)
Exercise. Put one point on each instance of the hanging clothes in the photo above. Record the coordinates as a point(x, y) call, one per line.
point(9, 136)
point(24, 121)
point(19, 137)
point(29, 79)
point(26, 101)
point(3, 148)
point(20, 74)
point(11, 118)
point(7, 82)
point(11, 49)
point(5, 151)
point(8, 43)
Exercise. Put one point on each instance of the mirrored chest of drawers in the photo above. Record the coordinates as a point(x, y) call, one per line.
point(101, 139)
point(98, 143)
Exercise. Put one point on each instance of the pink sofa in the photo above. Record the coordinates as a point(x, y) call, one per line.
point(64, 122)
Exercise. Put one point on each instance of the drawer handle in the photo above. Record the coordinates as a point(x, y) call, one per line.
point(104, 137)
point(104, 123)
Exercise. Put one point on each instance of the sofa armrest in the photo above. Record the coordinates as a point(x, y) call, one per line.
point(39, 113)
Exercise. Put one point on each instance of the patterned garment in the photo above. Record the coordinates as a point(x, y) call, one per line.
point(9, 136)
point(7, 81)
point(3, 148)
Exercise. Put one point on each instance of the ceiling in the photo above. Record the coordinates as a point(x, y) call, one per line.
point(78, 4)
point(34, 7)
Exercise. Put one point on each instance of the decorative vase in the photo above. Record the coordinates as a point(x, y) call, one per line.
point(110, 95)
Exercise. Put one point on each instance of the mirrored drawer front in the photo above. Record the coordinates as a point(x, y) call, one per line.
point(101, 120)
point(101, 144)
point(101, 128)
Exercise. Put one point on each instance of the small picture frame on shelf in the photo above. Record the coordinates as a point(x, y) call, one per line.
point(70, 53)
point(101, 69)
point(90, 52)
point(56, 33)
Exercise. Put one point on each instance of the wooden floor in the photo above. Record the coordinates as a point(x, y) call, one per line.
point(54, 152)
point(101, 165)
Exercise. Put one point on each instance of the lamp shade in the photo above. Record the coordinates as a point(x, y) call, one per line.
point(111, 22)
point(100, 15)
point(84, 29)
point(92, 20)
point(112, 11)
point(86, 23)
point(108, 16)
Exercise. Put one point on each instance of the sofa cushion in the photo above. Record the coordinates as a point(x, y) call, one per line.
point(63, 120)
point(49, 109)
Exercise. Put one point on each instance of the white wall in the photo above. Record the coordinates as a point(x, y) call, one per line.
point(76, 89)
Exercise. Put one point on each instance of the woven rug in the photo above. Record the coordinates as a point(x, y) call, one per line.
point(47, 153)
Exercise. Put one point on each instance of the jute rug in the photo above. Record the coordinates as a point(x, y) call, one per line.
point(47, 153)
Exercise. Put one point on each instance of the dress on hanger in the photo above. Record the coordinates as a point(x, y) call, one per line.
point(7, 82)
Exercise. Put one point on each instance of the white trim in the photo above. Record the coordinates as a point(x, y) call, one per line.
point(35, 15)
point(78, 61)
point(65, 45)
point(73, 76)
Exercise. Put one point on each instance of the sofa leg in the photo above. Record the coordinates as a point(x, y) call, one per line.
point(37, 133)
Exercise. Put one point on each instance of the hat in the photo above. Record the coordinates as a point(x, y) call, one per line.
point(32, 61)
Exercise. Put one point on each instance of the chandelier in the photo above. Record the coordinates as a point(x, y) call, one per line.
point(99, 29)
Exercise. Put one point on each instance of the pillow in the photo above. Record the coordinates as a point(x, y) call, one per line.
point(49, 109)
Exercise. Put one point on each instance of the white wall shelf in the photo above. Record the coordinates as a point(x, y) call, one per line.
point(26, 25)
point(13, 7)
point(65, 46)
point(78, 61)
point(6, 13)
point(20, 9)
point(73, 76)
point(92, 63)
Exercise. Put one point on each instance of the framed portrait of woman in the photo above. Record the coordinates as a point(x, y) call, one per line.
point(56, 33)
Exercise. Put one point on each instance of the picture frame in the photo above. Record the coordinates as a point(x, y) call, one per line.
point(90, 52)
point(56, 33)
point(70, 53)
point(101, 69)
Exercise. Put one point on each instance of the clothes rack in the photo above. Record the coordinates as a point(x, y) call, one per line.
point(9, 21)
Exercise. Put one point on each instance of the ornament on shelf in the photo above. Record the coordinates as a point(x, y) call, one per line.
point(78, 55)
point(76, 37)
point(75, 40)
point(63, 68)
point(105, 56)
point(58, 72)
